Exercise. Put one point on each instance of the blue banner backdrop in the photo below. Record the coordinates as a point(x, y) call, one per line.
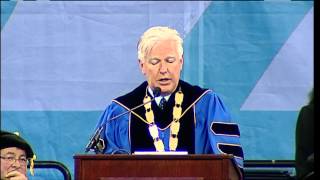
point(62, 62)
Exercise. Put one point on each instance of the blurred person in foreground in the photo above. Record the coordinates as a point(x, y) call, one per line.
point(305, 141)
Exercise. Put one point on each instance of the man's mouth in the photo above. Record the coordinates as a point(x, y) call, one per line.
point(164, 80)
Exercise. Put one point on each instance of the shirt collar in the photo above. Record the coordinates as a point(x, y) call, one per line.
point(157, 99)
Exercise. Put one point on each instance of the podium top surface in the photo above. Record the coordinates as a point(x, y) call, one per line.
point(127, 157)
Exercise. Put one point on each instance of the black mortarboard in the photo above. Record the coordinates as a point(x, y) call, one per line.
point(8, 139)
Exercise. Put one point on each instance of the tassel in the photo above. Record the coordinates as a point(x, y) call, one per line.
point(32, 164)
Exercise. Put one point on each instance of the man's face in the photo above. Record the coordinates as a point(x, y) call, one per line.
point(10, 163)
point(162, 66)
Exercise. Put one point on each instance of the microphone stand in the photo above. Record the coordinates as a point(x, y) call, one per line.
point(96, 144)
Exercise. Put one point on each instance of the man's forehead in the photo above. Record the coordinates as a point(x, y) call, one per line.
point(14, 151)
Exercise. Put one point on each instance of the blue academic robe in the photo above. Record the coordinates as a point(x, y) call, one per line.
point(205, 128)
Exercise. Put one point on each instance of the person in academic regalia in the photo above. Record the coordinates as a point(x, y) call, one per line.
point(183, 118)
point(15, 154)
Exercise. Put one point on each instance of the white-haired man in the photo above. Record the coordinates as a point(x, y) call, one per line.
point(183, 118)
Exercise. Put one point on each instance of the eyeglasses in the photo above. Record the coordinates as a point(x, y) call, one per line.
point(12, 159)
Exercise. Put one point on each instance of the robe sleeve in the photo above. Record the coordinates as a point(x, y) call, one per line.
point(216, 131)
point(115, 133)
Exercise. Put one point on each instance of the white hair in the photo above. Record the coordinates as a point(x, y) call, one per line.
point(153, 35)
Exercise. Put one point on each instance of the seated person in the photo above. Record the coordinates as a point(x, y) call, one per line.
point(15, 154)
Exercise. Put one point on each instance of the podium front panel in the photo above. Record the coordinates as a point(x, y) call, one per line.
point(155, 167)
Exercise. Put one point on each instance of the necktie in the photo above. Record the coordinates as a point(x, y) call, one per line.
point(162, 103)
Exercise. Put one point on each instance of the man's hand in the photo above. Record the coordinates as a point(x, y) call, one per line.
point(16, 175)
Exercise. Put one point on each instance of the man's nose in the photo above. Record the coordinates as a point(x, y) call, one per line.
point(17, 163)
point(163, 68)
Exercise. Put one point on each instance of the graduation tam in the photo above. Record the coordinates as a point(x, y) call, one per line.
point(8, 139)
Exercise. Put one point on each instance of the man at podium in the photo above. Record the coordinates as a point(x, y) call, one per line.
point(165, 113)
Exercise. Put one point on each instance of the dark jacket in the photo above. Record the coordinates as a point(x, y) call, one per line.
point(305, 141)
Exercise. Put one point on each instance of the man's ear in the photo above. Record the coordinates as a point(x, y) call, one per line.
point(181, 61)
point(141, 65)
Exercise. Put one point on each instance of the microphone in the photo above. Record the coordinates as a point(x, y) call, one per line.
point(156, 92)
point(96, 144)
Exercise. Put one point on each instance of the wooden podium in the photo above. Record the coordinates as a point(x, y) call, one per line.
point(155, 167)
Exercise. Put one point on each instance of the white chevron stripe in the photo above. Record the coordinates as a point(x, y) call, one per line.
point(78, 55)
point(287, 81)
